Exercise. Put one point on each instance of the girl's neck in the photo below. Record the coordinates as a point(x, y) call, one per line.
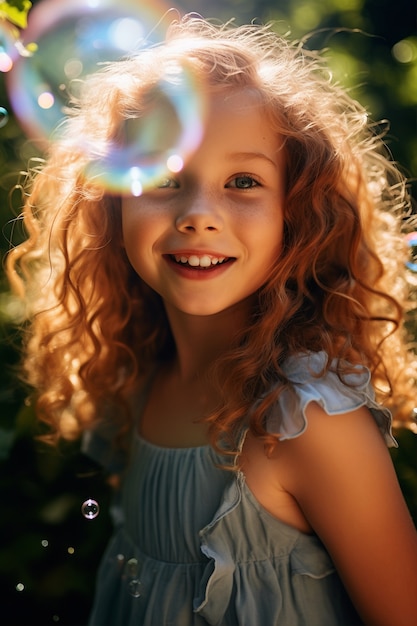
point(201, 340)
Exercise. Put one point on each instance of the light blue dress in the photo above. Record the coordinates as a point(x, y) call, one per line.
point(192, 546)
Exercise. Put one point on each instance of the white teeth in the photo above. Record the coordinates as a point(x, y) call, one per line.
point(194, 261)
point(199, 261)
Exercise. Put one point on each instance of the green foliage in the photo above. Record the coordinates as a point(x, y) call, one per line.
point(372, 49)
point(15, 11)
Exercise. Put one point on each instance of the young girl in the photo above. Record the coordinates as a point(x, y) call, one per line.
point(218, 333)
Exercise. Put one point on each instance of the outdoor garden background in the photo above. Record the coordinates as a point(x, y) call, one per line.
point(49, 551)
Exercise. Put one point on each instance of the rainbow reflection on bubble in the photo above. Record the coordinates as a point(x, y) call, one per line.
point(4, 117)
point(156, 144)
point(73, 39)
point(8, 48)
point(411, 239)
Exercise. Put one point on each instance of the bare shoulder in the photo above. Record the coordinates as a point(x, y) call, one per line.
point(341, 474)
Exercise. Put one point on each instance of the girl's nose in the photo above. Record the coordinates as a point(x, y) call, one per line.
point(200, 215)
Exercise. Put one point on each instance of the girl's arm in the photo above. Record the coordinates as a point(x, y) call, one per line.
point(342, 476)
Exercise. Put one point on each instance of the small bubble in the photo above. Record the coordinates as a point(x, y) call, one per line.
point(135, 588)
point(20, 587)
point(90, 509)
point(70, 550)
point(4, 117)
point(411, 239)
point(45, 543)
point(55, 618)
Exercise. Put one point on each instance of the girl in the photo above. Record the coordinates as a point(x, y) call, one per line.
point(218, 333)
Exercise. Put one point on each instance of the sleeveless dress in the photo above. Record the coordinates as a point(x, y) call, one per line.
point(192, 546)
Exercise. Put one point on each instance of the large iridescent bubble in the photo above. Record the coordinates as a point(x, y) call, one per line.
point(157, 143)
point(74, 39)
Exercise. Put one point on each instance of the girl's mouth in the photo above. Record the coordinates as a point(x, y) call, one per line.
point(204, 261)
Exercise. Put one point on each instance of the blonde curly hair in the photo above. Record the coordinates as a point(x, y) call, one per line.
point(94, 328)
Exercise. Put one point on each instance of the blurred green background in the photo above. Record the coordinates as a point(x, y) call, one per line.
point(48, 551)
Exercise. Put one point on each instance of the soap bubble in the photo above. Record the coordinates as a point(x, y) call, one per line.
point(73, 39)
point(411, 239)
point(90, 509)
point(135, 588)
point(4, 117)
point(156, 144)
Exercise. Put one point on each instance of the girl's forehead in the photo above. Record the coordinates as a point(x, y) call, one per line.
point(241, 98)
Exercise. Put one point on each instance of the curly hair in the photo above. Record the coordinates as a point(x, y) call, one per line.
point(339, 284)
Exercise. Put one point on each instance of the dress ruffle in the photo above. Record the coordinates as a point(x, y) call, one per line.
point(288, 419)
point(283, 555)
point(261, 570)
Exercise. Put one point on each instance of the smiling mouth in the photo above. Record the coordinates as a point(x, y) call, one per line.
point(205, 261)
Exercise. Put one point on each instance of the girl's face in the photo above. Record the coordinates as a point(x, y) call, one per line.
point(206, 238)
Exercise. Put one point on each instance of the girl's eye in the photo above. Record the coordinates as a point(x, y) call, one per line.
point(243, 182)
point(167, 183)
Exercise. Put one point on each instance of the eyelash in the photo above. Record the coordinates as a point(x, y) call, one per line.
point(166, 183)
point(253, 181)
point(171, 183)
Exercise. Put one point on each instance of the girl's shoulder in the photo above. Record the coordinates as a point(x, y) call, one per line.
point(336, 390)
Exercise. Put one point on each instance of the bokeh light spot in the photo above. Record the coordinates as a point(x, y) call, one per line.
point(175, 163)
point(135, 186)
point(73, 68)
point(405, 51)
point(46, 100)
point(6, 62)
point(126, 34)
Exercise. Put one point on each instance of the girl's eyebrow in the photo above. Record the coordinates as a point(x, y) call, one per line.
point(251, 156)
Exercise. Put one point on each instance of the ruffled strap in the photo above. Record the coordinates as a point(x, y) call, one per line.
point(217, 581)
point(249, 551)
point(288, 418)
